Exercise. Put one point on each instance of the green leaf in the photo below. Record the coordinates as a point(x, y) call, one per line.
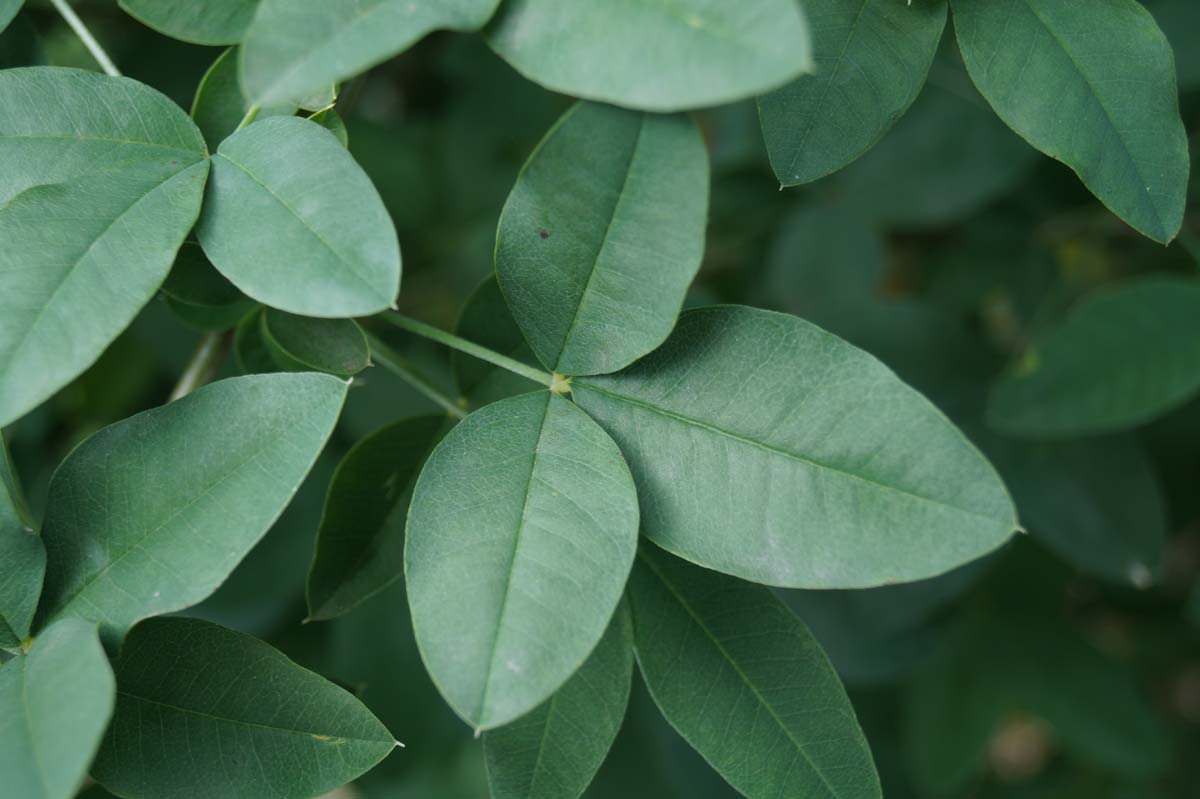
point(1107, 69)
point(487, 320)
point(20, 45)
point(332, 121)
point(1120, 358)
point(200, 480)
point(746, 684)
point(8, 10)
point(602, 234)
point(766, 448)
point(249, 349)
point(553, 752)
point(200, 295)
point(54, 705)
point(24, 559)
point(206, 22)
point(695, 52)
point(1095, 502)
point(251, 722)
point(103, 178)
point(521, 533)
point(297, 47)
point(219, 105)
point(295, 223)
point(871, 58)
point(304, 344)
point(360, 543)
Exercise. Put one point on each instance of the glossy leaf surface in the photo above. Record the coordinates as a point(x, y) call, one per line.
point(766, 448)
point(103, 178)
point(871, 60)
point(746, 684)
point(54, 705)
point(295, 223)
point(553, 752)
point(1092, 85)
point(252, 722)
point(201, 480)
point(700, 52)
point(195, 21)
point(521, 533)
point(602, 235)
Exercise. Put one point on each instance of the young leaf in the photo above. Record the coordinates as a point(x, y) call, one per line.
point(295, 223)
point(54, 705)
point(487, 320)
point(251, 722)
point(200, 481)
point(766, 448)
point(207, 22)
point(219, 105)
point(360, 543)
point(521, 533)
point(602, 234)
point(102, 180)
point(296, 47)
point(1120, 358)
point(699, 52)
point(304, 344)
point(746, 684)
point(871, 59)
point(553, 752)
point(1107, 69)
point(24, 561)
point(200, 295)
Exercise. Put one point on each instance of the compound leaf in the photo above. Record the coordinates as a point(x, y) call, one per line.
point(521, 533)
point(602, 234)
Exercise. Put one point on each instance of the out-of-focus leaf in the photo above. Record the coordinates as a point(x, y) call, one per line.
point(204, 22)
point(332, 121)
point(200, 295)
point(249, 349)
point(8, 11)
point(20, 45)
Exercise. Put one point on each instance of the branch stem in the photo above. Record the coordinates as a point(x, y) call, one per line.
point(204, 364)
point(85, 36)
point(470, 348)
point(400, 366)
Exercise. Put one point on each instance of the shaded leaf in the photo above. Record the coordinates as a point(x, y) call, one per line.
point(103, 179)
point(486, 320)
point(554, 751)
point(252, 722)
point(602, 234)
point(206, 22)
point(54, 705)
point(745, 683)
point(23, 557)
point(699, 52)
point(200, 295)
point(201, 480)
point(295, 223)
point(871, 58)
point(521, 533)
point(219, 105)
point(304, 344)
point(249, 349)
point(821, 467)
point(1108, 69)
point(360, 543)
point(332, 121)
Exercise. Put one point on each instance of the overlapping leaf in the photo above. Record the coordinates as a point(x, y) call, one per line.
point(206, 22)
point(304, 344)
point(24, 559)
point(219, 105)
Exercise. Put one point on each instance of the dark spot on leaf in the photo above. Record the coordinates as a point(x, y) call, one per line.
point(545, 234)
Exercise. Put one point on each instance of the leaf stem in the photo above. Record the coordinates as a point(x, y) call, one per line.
point(251, 114)
point(400, 366)
point(86, 37)
point(204, 364)
point(470, 348)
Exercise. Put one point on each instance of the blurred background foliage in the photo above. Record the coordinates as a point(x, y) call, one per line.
point(1066, 665)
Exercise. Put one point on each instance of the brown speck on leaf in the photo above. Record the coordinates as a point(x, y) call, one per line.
point(545, 234)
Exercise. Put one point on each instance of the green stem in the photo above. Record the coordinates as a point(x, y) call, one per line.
point(251, 114)
point(86, 37)
point(474, 350)
point(400, 366)
point(204, 364)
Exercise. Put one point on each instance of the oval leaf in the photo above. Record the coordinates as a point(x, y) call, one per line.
point(487, 321)
point(199, 482)
point(654, 56)
point(871, 58)
point(219, 105)
point(206, 22)
point(102, 179)
point(1121, 358)
point(304, 344)
point(746, 684)
point(360, 543)
point(521, 533)
point(297, 47)
point(553, 752)
point(295, 223)
point(252, 722)
point(8, 10)
point(54, 705)
point(602, 234)
point(1107, 68)
point(766, 448)
point(200, 295)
